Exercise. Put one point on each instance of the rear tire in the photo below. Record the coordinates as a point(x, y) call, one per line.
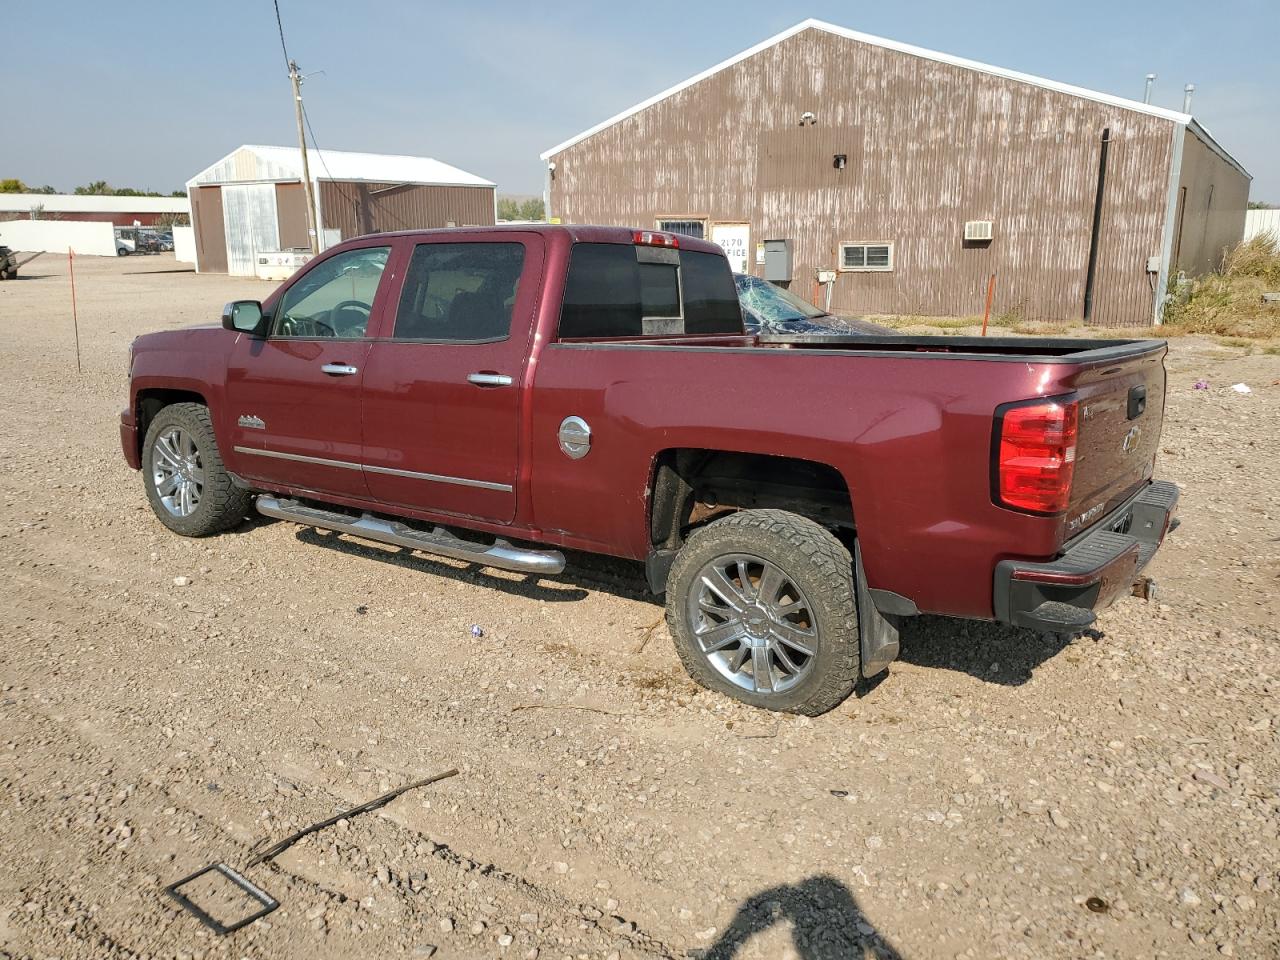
point(188, 487)
point(771, 593)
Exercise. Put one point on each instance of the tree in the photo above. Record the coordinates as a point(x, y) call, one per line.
point(513, 208)
point(46, 189)
point(1261, 205)
point(98, 188)
point(12, 185)
point(173, 219)
point(508, 208)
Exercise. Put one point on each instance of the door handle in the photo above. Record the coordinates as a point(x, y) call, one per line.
point(489, 379)
point(339, 369)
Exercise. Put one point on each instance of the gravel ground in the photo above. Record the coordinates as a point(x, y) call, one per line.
point(166, 703)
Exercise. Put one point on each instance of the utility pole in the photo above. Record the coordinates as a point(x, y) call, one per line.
point(1146, 96)
point(296, 79)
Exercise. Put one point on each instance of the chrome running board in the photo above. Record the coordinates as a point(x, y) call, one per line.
point(439, 541)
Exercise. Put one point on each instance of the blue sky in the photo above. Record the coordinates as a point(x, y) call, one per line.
point(146, 94)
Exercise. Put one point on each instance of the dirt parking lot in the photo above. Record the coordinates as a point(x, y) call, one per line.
point(998, 794)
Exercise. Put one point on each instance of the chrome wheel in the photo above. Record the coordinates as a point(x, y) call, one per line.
point(753, 624)
point(177, 471)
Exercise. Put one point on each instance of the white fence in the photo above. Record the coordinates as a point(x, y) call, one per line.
point(1262, 221)
point(184, 244)
point(86, 238)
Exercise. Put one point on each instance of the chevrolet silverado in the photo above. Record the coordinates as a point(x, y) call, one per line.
point(494, 394)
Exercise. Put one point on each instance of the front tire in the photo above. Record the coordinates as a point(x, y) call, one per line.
point(187, 485)
point(761, 607)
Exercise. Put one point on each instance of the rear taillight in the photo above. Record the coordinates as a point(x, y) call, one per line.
point(1036, 455)
point(652, 238)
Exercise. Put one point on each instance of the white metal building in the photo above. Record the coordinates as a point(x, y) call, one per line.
point(1257, 222)
point(252, 201)
point(120, 211)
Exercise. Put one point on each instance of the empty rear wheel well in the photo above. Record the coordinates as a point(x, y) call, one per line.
point(151, 402)
point(692, 486)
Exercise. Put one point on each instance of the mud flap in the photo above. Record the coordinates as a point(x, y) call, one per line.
point(877, 632)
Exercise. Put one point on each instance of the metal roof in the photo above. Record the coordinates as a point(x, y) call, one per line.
point(91, 203)
point(811, 24)
point(255, 162)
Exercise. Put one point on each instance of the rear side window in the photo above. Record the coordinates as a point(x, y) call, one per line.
point(459, 292)
point(618, 290)
point(710, 295)
point(602, 292)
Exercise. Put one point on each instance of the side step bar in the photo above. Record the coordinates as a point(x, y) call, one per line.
point(438, 541)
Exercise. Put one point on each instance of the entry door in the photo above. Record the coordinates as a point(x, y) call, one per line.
point(442, 390)
point(293, 399)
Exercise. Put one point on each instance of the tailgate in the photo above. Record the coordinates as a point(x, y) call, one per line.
point(1121, 411)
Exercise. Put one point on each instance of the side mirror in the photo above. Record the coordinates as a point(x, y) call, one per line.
point(243, 316)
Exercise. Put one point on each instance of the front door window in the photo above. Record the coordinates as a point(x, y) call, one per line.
point(334, 299)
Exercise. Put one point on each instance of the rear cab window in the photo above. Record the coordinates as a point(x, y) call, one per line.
point(616, 290)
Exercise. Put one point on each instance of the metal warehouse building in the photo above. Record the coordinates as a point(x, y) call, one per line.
point(252, 201)
point(912, 176)
point(92, 208)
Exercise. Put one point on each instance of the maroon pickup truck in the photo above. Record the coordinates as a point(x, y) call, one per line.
point(492, 394)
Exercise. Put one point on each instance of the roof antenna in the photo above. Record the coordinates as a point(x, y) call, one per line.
point(1146, 95)
point(1187, 91)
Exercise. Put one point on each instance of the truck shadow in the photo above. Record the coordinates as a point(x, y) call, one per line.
point(583, 572)
point(826, 923)
point(993, 652)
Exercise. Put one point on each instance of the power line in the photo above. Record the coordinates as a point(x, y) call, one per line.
point(280, 27)
point(306, 117)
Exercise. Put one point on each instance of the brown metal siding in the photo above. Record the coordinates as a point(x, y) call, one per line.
point(211, 240)
point(1212, 208)
point(360, 208)
point(291, 215)
point(930, 145)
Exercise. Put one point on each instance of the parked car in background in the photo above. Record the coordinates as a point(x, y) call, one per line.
point(8, 264)
point(125, 246)
point(772, 310)
point(154, 242)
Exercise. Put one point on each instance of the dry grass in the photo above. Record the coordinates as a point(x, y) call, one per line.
point(1228, 303)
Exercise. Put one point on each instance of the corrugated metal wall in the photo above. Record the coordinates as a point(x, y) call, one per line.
point(929, 146)
point(1262, 221)
point(246, 164)
point(360, 208)
point(211, 240)
point(1213, 196)
point(291, 215)
point(249, 225)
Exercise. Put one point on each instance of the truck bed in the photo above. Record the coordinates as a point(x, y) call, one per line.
point(1037, 349)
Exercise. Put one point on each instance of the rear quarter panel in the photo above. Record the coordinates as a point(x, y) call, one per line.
point(910, 435)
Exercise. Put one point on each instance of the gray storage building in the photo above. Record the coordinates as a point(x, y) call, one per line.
point(252, 201)
point(912, 176)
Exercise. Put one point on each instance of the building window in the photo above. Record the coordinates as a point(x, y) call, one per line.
point(690, 228)
point(866, 256)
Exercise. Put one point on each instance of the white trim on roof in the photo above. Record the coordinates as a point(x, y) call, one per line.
point(812, 24)
point(90, 203)
point(274, 163)
point(1205, 137)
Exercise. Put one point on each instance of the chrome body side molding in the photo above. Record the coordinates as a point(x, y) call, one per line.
point(390, 471)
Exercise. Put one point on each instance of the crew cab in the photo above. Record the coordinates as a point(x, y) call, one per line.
point(498, 394)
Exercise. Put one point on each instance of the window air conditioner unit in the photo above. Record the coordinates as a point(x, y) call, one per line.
point(977, 230)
